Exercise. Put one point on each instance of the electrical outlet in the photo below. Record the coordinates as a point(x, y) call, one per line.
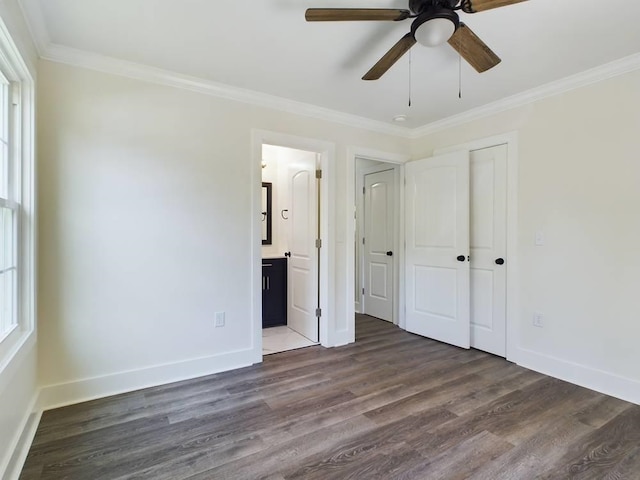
point(538, 320)
point(220, 319)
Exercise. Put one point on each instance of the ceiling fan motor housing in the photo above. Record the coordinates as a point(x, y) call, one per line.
point(425, 36)
point(420, 6)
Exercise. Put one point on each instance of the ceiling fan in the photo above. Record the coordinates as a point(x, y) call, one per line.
point(435, 22)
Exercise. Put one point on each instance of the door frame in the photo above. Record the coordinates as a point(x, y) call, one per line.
point(396, 240)
point(326, 154)
point(510, 139)
point(354, 153)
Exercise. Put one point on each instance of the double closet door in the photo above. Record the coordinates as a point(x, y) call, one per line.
point(456, 216)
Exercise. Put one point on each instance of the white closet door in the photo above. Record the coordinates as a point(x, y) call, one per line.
point(379, 226)
point(489, 249)
point(437, 248)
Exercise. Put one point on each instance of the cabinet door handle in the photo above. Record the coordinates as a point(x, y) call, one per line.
point(268, 283)
point(264, 284)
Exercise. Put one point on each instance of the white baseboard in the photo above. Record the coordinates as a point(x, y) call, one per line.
point(23, 441)
point(342, 337)
point(591, 378)
point(55, 396)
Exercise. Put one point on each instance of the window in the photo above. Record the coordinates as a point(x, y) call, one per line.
point(17, 213)
point(9, 211)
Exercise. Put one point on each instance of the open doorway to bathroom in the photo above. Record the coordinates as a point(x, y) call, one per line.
point(290, 248)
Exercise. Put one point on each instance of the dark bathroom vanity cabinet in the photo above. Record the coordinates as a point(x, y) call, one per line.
point(274, 292)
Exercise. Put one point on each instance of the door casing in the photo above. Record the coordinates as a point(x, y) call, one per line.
point(352, 196)
point(327, 155)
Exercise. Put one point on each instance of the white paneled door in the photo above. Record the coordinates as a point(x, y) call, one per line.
point(303, 255)
point(489, 249)
point(379, 227)
point(437, 248)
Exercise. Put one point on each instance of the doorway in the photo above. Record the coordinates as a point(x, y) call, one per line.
point(377, 212)
point(290, 248)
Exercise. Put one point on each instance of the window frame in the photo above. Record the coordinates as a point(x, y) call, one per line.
point(20, 196)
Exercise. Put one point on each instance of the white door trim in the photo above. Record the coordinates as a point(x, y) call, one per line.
point(353, 153)
point(326, 152)
point(511, 140)
point(396, 238)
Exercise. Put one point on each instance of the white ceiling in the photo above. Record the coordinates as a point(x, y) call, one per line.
point(267, 46)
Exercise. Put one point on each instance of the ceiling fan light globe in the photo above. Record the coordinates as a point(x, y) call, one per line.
point(435, 32)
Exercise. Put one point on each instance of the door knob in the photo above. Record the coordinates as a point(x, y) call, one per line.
point(389, 254)
point(461, 258)
point(500, 261)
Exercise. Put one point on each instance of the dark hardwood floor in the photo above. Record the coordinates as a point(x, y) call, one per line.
point(391, 406)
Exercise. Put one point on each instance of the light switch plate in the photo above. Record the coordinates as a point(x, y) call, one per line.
point(538, 320)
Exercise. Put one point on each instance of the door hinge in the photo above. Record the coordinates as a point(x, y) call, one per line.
point(363, 240)
point(319, 243)
point(318, 173)
point(318, 312)
point(363, 291)
point(364, 190)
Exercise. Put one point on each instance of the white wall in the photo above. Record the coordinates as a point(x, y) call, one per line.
point(18, 376)
point(145, 229)
point(579, 183)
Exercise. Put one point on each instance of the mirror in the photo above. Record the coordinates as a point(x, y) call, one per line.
point(266, 213)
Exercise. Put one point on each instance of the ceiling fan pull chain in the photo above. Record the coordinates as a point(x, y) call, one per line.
point(410, 84)
point(459, 69)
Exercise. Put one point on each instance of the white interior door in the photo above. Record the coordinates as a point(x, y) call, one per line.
point(489, 249)
point(379, 228)
point(303, 260)
point(437, 248)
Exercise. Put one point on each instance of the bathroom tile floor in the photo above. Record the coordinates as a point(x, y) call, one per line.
point(282, 339)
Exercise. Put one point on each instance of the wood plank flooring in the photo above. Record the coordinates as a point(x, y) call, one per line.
point(391, 406)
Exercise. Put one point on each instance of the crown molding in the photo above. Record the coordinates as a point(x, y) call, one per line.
point(579, 80)
point(101, 63)
point(36, 23)
point(47, 50)
point(93, 61)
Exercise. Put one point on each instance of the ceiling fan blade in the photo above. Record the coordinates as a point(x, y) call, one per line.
point(354, 14)
point(391, 57)
point(473, 50)
point(474, 6)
